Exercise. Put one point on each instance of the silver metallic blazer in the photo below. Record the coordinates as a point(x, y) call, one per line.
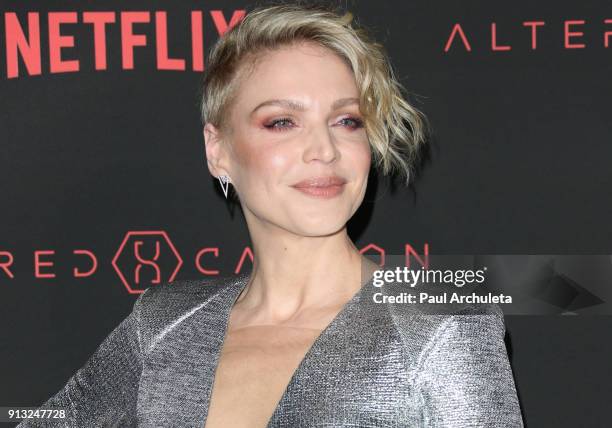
point(375, 365)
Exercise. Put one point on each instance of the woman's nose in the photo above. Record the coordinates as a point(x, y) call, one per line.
point(321, 145)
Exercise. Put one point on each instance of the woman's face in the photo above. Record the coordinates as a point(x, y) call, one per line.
point(294, 124)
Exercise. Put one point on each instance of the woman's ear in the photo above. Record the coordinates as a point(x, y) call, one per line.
point(212, 144)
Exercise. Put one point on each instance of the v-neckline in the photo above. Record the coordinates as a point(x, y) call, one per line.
point(235, 292)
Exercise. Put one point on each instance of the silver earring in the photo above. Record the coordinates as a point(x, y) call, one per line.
point(224, 181)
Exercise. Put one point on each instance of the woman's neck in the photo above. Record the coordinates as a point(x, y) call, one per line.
point(292, 273)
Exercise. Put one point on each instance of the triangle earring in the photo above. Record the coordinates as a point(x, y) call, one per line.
point(224, 181)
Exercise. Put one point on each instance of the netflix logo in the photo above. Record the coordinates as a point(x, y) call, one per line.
point(23, 39)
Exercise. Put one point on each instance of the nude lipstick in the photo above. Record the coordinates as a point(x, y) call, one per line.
point(321, 187)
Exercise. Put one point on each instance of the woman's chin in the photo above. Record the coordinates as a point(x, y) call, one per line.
point(320, 226)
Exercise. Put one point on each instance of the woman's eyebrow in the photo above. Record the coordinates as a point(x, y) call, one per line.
point(299, 106)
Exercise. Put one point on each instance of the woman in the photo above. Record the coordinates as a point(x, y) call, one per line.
point(296, 104)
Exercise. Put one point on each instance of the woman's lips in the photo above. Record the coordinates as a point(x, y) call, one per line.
point(321, 187)
point(322, 192)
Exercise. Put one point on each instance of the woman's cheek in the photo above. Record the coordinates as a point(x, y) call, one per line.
point(362, 155)
point(266, 165)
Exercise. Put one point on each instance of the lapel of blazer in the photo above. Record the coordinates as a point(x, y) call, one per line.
point(179, 367)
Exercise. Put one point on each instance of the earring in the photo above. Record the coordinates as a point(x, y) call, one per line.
point(224, 181)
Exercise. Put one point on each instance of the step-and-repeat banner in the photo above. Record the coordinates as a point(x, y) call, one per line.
point(104, 189)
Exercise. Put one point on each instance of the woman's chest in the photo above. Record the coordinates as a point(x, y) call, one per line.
point(255, 366)
point(355, 372)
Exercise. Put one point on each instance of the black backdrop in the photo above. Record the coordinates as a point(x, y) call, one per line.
point(519, 164)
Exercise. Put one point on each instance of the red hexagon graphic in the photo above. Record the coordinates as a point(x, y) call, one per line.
point(145, 254)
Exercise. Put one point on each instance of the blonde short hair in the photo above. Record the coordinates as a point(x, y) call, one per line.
point(394, 127)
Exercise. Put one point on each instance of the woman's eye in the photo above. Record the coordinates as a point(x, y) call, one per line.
point(353, 122)
point(273, 125)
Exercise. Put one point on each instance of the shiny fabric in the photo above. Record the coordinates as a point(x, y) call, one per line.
point(375, 365)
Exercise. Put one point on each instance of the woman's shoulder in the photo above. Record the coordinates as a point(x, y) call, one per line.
point(423, 327)
point(169, 304)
